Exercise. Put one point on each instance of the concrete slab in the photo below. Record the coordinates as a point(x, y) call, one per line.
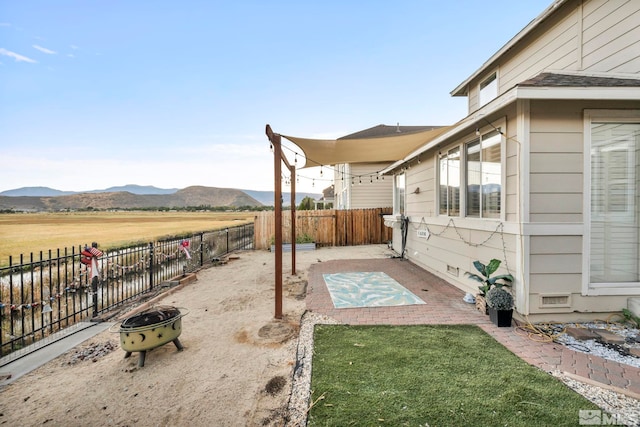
point(582, 333)
point(31, 357)
point(609, 337)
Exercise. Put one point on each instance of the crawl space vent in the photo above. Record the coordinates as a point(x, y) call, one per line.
point(454, 271)
point(552, 301)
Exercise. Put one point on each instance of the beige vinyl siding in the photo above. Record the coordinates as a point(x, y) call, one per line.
point(553, 46)
point(376, 194)
point(556, 185)
point(601, 36)
point(421, 176)
point(512, 148)
point(556, 163)
point(439, 253)
point(611, 36)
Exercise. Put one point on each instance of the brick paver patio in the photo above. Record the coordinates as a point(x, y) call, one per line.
point(444, 305)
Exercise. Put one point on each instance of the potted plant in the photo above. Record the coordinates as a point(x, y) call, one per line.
point(487, 282)
point(500, 304)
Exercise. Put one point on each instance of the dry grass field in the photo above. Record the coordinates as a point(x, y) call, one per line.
point(26, 233)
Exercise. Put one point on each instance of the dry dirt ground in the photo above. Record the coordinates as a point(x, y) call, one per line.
point(235, 370)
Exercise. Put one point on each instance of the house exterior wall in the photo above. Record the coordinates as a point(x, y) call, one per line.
point(540, 236)
point(362, 188)
point(598, 36)
point(545, 216)
point(454, 243)
point(556, 206)
point(611, 36)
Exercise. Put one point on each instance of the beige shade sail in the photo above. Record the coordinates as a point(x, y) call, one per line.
point(322, 152)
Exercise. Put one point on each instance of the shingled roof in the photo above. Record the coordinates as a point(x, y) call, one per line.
point(385, 130)
point(571, 80)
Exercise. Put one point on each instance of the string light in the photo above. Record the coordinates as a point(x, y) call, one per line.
point(335, 170)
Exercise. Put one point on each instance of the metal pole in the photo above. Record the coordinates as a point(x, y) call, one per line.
point(277, 180)
point(292, 169)
point(150, 265)
point(277, 174)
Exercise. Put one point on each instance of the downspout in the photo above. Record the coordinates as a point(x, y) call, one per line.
point(404, 229)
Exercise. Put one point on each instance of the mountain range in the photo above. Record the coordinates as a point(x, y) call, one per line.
point(136, 196)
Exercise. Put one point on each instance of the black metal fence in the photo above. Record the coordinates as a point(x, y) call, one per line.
point(41, 295)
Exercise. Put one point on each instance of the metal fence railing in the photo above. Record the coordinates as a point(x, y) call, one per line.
point(42, 295)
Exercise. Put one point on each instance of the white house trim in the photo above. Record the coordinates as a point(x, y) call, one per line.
point(589, 289)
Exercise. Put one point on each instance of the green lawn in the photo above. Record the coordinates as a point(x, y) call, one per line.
point(431, 375)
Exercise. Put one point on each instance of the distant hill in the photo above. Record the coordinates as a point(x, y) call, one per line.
point(35, 192)
point(37, 198)
point(50, 192)
point(190, 196)
point(267, 197)
point(137, 189)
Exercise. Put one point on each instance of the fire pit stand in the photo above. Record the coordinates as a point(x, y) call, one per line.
point(149, 329)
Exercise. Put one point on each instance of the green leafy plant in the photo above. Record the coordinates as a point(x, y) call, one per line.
point(499, 299)
point(630, 317)
point(304, 238)
point(487, 282)
point(301, 238)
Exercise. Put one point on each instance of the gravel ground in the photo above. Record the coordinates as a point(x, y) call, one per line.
point(624, 409)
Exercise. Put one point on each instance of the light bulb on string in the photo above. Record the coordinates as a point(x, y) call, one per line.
point(313, 182)
point(371, 179)
point(320, 170)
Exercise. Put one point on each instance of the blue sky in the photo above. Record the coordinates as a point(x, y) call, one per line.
point(95, 94)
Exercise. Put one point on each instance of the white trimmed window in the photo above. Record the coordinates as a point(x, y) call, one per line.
point(612, 201)
point(399, 194)
point(484, 176)
point(450, 182)
point(488, 89)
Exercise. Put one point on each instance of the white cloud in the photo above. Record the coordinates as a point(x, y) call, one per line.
point(5, 24)
point(16, 56)
point(71, 55)
point(74, 47)
point(44, 49)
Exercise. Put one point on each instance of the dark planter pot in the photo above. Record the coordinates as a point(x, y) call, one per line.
point(501, 318)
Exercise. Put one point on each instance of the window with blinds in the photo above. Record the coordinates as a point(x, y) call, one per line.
point(615, 204)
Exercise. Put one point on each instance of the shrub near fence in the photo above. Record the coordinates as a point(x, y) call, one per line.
point(43, 295)
point(329, 227)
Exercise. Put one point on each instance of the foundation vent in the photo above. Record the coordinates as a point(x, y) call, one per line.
point(555, 300)
point(454, 271)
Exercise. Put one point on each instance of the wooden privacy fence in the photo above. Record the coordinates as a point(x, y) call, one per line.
point(327, 227)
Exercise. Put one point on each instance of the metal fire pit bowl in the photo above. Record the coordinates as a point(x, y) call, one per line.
point(149, 329)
